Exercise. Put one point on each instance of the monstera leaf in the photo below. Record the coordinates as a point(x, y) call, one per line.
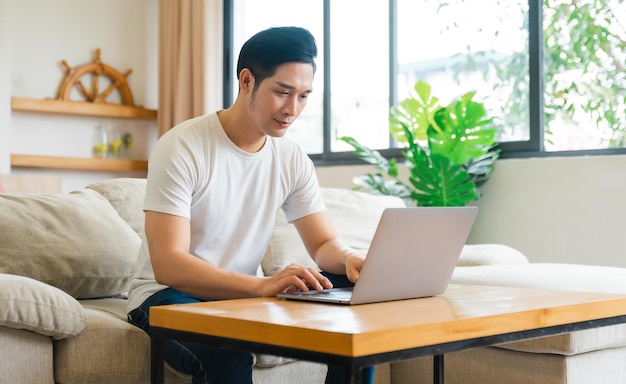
point(457, 158)
point(437, 180)
point(414, 113)
point(461, 131)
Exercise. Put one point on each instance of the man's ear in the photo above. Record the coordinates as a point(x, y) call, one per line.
point(246, 80)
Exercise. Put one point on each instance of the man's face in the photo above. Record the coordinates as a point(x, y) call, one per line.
point(280, 99)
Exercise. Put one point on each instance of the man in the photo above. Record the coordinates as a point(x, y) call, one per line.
point(214, 186)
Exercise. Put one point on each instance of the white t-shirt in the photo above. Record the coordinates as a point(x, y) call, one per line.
point(230, 196)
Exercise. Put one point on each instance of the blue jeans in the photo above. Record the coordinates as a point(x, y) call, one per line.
point(216, 365)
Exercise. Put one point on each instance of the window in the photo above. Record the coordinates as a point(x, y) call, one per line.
point(359, 73)
point(552, 73)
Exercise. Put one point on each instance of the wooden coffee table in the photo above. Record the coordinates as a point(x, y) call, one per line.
point(466, 316)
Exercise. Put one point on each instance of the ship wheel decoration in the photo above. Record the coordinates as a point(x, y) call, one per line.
point(101, 76)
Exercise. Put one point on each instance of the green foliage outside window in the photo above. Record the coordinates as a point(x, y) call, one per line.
point(586, 39)
point(584, 57)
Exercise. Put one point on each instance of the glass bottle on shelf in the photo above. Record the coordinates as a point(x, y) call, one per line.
point(100, 142)
point(115, 141)
point(127, 146)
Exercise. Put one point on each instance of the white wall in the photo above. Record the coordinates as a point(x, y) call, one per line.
point(557, 209)
point(38, 35)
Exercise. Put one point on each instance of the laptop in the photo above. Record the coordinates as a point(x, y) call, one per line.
point(412, 255)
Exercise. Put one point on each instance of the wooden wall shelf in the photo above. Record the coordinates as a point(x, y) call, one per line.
point(82, 108)
point(77, 163)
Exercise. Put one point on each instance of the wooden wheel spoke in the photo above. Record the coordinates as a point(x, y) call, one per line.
point(95, 83)
point(110, 89)
point(88, 95)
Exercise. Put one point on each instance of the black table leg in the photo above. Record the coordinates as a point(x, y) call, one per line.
point(353, 375)
point(157, 362)
point(438, 369)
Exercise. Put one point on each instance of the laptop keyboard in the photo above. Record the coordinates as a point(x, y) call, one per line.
point(335, 292)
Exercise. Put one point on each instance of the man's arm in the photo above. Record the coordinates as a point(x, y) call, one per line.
point(331, 254)
point(168, 242)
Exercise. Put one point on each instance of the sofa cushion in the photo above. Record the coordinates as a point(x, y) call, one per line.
point(32, 305)
point(126, 195)
point(490, 254)
point(77, 361)
point(574, 343)
point(109, 351)
point(76, 242)
point(355, 215)
point(568, 277)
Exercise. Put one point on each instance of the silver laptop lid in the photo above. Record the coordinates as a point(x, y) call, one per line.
point(413, 253)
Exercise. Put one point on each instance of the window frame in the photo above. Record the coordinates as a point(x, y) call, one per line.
point(515, 149)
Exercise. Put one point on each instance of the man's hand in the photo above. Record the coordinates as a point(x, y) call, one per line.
point(354, 263)
point(331, 254)
point(295, 278)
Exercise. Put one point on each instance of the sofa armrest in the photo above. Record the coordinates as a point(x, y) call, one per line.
point(490, 254)
point(38, 307)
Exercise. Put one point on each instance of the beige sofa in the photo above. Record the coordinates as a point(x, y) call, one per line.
point(66, 261)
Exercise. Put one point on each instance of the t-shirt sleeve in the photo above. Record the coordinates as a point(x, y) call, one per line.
point(306, 197)
point(171, 177)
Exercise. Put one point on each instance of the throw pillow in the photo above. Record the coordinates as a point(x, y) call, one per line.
point(126, 195)
point(490, 254)
point(76, 242)
point(32, 305)
point(355, 216)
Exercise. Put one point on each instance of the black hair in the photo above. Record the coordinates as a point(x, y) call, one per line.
point(264, 52)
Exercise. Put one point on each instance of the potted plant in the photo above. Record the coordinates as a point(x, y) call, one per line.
point(450, 151)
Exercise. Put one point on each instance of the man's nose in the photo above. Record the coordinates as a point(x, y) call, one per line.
point(291, 107)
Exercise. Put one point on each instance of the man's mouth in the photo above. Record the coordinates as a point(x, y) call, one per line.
point(283, 123)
